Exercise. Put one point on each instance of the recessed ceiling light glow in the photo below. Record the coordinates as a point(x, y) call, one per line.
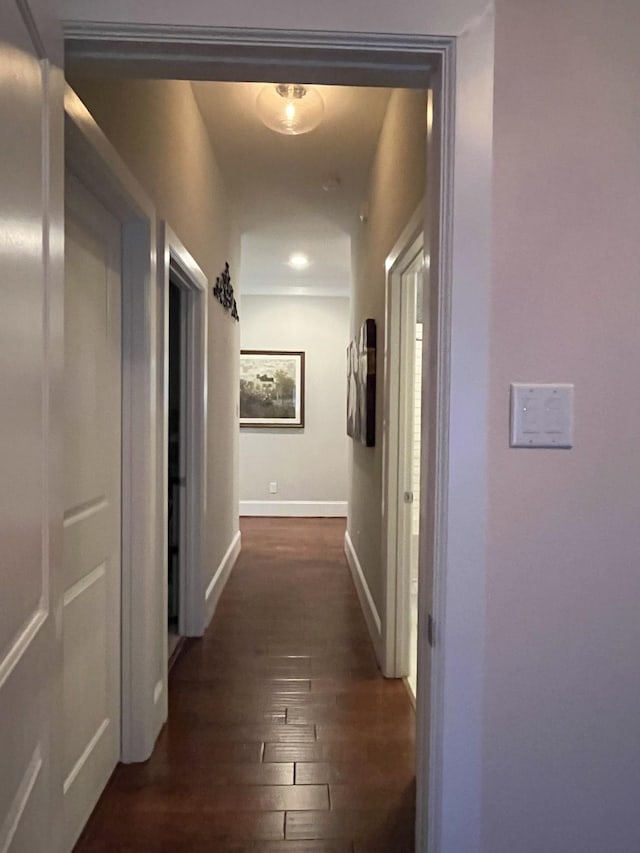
point(298, 261)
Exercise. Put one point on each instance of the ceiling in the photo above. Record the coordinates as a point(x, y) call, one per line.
point(276, 183)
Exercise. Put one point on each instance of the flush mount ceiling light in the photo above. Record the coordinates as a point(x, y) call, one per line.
point(298, 261)
point(290, 108)
point(331, 184)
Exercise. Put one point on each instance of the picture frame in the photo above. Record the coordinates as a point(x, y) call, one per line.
point(271, 389)
point(361, 385)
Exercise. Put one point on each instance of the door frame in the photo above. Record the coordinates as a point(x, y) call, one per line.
point(175, 262)
point(395, 619)
point(87, 213)
point(99, 167)
point(459, 68)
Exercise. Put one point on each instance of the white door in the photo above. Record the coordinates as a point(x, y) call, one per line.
point(92, 517)
point(30, 363)
point(409, 468)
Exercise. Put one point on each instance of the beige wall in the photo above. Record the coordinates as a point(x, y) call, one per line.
point(309, 464)
point(395, 190)
point(562, 683)
point(158, 131)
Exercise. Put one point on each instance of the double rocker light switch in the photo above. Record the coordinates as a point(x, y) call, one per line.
point(541, 415)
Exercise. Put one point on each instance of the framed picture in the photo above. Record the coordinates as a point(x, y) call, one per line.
point(361, 385)
point(271, 389)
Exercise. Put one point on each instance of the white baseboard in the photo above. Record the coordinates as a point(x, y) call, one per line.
point(295, 509)
point(218, 581)
point(367, 603)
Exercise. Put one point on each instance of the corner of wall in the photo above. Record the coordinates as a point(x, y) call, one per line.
point(371, 615)
point(220, 577)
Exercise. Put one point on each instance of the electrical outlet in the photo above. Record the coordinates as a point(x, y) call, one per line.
point(273, 488)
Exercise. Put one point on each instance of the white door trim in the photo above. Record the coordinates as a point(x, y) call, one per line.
point(97, 163)
point(230, 53)
point(176, 262)
point(460, 70)
point(395, 618)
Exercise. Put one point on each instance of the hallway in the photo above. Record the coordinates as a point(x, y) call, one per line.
point(282, 734)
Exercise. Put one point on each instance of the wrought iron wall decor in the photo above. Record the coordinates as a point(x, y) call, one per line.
point(223, 292)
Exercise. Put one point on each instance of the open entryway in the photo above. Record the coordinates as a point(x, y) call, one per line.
point(407, 307)
point(183, 289)
point(410, 418)
point(434, 64)
point(176, 472)
point(314, 226)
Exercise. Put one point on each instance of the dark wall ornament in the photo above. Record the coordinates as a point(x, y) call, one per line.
point(361, 385)
point(223, 292)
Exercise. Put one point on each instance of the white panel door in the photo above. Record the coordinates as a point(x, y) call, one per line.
point(92, 517)
point(409, 469)
point(30, 361)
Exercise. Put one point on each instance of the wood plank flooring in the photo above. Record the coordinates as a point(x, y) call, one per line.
point(282, 734)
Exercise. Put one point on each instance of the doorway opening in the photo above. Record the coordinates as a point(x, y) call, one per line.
point(411, 334)
point(183, 296)
point(369, 232)
point(176, 473)
point(421, 53)
point(405, 436)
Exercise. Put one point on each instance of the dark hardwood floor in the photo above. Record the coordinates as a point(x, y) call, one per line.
point(282, 734)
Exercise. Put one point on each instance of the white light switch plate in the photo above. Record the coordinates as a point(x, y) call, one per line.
point(541, 415)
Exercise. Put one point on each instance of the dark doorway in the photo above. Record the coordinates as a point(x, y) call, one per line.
point(175, 457)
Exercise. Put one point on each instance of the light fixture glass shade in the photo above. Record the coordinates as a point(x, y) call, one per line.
point(290, 108)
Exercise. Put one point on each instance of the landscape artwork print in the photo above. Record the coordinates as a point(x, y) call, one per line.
point(271, 389)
